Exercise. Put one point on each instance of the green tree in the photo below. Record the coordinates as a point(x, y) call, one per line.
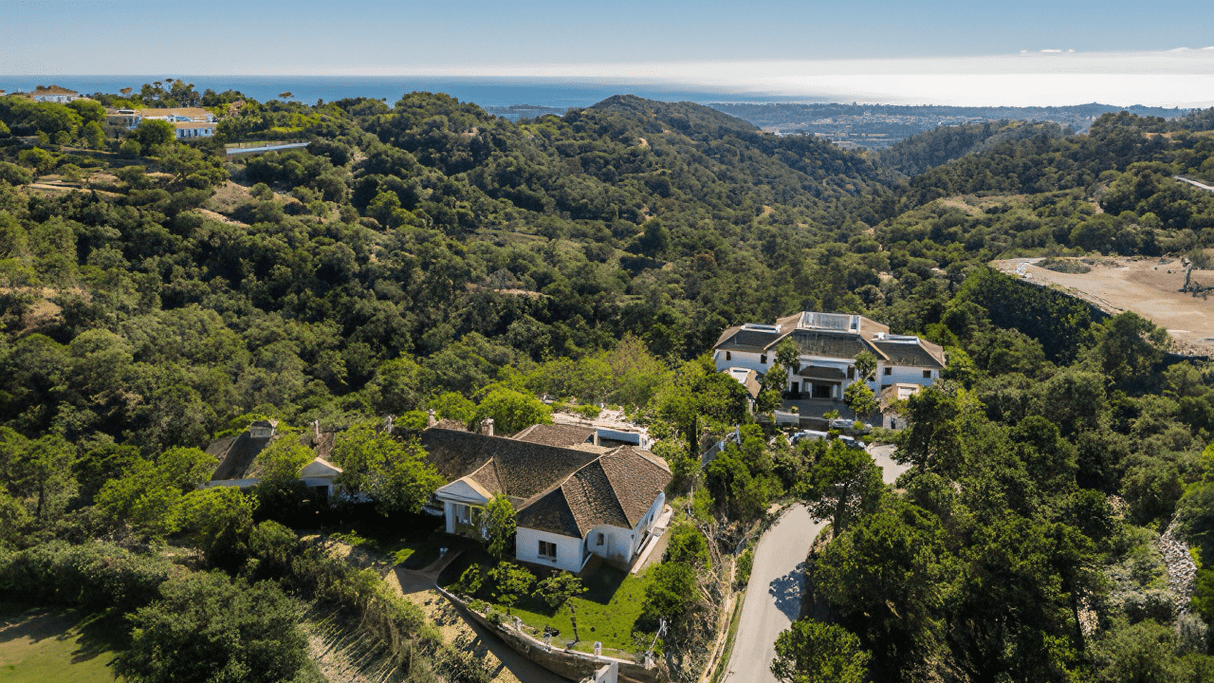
point(812, 651)
point(282, 459)
point(512, 411)
point(560, 589)
point(451, 405)
point(219, 521)
point(392, 472)
point(1128, 347)
point(499, 525)
point(38, 159)
point(510, 582)
point(843, 484)
point(860, 399)
point(866, 365)
point(153, 133)
point(207, 628)
point(687, 545)
point(42, 471)
point(1140, 653)
point(670, 593)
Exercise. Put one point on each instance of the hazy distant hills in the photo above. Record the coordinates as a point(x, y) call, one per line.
point(878, 126)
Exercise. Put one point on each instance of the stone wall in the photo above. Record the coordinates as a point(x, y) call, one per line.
point(568, 663)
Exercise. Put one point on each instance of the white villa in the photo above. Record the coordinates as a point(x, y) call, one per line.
point(54, 93)
point(576, 493)
point(828, 344)
point(189, 122)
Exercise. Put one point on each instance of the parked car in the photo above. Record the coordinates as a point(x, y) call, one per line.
point(852, 443)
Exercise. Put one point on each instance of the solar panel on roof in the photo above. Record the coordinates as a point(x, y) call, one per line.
point(828, 321)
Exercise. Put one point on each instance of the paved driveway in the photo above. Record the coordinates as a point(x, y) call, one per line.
point(773, 596)
point(777, 581)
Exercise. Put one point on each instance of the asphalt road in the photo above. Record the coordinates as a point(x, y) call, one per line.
point(777, 580)
point(773, 596)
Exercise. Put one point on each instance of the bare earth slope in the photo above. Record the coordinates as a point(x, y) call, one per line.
point(1149, 287)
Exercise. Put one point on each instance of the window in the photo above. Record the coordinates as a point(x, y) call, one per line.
point(851, 372)
point(763, 359)
point(728, 356)
point(927, 374)
point(548, 550)
point(889, 371)
point(601, 539)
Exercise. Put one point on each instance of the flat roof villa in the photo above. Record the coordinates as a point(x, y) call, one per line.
point(828, 344)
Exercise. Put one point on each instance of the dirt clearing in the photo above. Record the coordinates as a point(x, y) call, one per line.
point(1148, 286)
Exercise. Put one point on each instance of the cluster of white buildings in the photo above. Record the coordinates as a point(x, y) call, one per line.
point(189, 122)
point(828, 345)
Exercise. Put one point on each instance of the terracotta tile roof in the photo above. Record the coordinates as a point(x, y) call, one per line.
point(616, 489)
point(520, 469)
point(453, 425)
point(563, 490)
point(561, 436)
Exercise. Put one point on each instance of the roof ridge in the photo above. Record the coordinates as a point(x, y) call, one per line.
point(615, 494)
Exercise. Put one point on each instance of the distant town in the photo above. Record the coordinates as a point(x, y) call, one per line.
point(877, 126)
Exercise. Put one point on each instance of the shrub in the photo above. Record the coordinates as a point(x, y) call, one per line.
point(745, 563)
point(215, 629)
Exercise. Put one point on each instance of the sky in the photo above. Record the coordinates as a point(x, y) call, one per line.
point(944, 52)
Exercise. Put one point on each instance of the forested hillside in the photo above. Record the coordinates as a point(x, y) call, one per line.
point(155, 294)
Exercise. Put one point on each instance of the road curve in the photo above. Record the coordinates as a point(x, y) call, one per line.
point(777, 581)
point(773, 595)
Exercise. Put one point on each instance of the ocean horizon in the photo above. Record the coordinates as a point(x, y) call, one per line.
point(486, 92)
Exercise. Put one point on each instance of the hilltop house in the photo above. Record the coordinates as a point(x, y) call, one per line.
point(237, 456)
point(189, 122)
point(54, 93)
point(828, 344)
point(574, 495)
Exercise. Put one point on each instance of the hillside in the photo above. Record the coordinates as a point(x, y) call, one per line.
point(156, 296)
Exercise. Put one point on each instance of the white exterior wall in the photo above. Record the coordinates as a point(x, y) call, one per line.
point(903, 374)
point(742, 359)
point(622, 545)
point(619, 545)
point(570, 554)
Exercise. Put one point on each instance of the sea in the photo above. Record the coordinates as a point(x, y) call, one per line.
point(486, 92)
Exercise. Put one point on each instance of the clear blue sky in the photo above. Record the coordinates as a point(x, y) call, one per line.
point(223, 36)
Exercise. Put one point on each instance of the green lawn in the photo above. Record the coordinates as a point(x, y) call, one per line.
point(605, 612)
point(47, 646)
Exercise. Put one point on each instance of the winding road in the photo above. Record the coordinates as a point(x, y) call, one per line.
point(777, 581)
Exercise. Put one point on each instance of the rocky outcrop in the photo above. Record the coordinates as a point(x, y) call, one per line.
point(1181, 568)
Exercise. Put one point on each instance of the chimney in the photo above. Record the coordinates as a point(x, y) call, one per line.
point(431, 420)
point(596, 438)
point(487, 426)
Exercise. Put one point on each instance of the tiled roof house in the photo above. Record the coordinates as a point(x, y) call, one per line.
point(54, 93)
point(828, 344)
point(573, 498)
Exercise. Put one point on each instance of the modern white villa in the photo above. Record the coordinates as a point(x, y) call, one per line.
point(828, 344)
point(576, 494)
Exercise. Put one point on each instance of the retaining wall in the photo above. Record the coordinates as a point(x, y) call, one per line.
point(568, 663)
